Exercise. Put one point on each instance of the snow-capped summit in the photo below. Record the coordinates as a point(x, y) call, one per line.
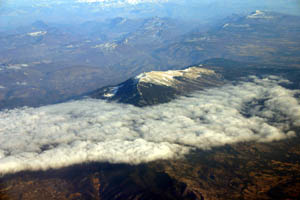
point(155, 87)
point(37, 33)
point(259, 15)
point(169, 78)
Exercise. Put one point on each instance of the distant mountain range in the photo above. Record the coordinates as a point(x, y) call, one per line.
point(260, 36)
point(63, 61)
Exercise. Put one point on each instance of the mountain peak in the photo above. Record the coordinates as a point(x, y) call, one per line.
point(259, 15)
point(150, 88)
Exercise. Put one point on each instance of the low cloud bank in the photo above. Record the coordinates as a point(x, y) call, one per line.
point(94, 130)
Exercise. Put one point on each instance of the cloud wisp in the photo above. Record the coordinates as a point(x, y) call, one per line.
point(94, 130)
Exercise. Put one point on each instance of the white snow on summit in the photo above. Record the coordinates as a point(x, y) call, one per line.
point(38, 33)
point(259, 15)
point(112, 92)
point(167, 78)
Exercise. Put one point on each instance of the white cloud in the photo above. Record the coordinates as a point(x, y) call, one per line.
point(93, 130)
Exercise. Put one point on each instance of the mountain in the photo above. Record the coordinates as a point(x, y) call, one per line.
point(110, 51)
point(96, 53)
point(155, 87)
point(156, 31)
point(261, 36)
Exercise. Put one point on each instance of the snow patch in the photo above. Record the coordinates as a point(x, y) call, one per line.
point(21, 83)
point(225, 25)
point(36, 34)
point(70, 46)
point(112, 92)
point(237, 25)
point(167, 78)
point(16, 66)
point(106, 46)
point(259, 15)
